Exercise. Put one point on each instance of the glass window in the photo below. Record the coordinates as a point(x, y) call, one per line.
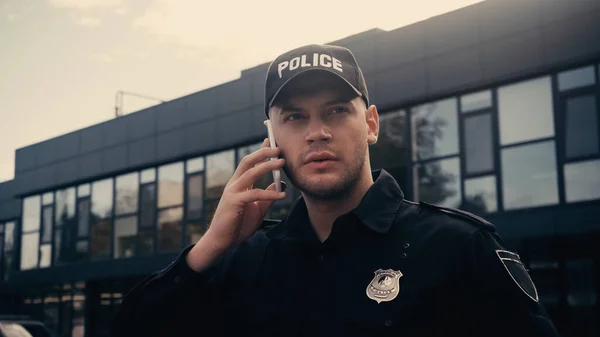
point(195, 165)
point(100, 238)
point(148, 175)
point(169, 229)
point(219, 169)
point(47, 225)
point(529, 101)
point(582, 181)
point(47, 198)
point(83, 190)
point(266, 179)
point(476, 101)
point(147, 206)
point(45, 255)
point(479, 156)
point(194, 231)
point(581, 126)
point(102, 198)
point(31, 213)
point(576, 78)
point(170, 185)
point(1, 228)
point(392, 145)
point(65, 207)
point(438, 182)
point(480, 195)
point(210, 208)
point(529, 175)
point(29, 250)
point(127, 194)
point(145, 242)
point(435, 129)
point(83, 224)
point(194, 196)
point(125, 236)
point(9, 236)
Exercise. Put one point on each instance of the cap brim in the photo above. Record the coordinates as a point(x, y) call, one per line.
point(308, 70)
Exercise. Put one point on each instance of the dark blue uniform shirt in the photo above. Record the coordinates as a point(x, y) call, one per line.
point(390, 267)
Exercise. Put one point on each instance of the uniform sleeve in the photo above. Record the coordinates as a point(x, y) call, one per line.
point(504, 300)
point(171, 302)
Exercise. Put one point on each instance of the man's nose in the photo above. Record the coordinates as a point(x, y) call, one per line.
point(317, 131)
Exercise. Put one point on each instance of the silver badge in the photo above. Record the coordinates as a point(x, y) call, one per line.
point(385, 286)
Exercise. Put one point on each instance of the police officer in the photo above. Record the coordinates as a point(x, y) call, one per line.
point(353, 257)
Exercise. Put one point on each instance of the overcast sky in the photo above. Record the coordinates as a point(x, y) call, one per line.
point(62, 61)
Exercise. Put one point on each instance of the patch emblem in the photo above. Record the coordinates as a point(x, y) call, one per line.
point(515, 268)
point(385, 286)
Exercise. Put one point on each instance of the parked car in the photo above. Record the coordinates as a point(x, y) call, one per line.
point(22, 326)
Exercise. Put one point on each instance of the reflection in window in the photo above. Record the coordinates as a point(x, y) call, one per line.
point(29, 250)
point(64, 211)
point(530, 100)
point(581, 124)
point(210, 208)
point(170, 185)
point(125, 236)
point(100, 240)
point(195, 186)
point(145, 242)
point(47, 224)
point(127, 194)
point(65, 226)
point(476, 101)
point(83, 212)
point(148, 176)
point(479, 156)
point(480, 195)
point(83, 190)
point(102, 198)
point(169, 229)
point(576, 78)
point(219, 169)
point(529, 175)
point(435, 129)
point(147, 205)
point(392, 146)
point(582, 181)
point(266, 179)
point(438, 182)
point(45, 255)
point(195, 165)
point(194, 232)
point(31, 214)
point(47, 198)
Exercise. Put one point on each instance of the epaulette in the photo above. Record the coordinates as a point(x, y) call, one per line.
point(268, 224)
point(477, 220)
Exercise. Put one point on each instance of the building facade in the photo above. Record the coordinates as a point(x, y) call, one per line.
point(493, 109)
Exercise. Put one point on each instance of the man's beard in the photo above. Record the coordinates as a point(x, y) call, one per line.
point(351, 175)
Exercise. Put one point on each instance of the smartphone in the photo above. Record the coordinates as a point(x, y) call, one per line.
point(277, 172)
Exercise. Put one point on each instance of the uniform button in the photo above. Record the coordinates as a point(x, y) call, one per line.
point(177, 279)
point(403, 255)
point(388, 323)
point(406, 245)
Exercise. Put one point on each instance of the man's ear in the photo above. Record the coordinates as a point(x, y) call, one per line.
point(372, 119)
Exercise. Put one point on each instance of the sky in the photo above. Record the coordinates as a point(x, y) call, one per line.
point(62, 61)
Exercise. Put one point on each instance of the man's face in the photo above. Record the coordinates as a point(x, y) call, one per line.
point(323, 130)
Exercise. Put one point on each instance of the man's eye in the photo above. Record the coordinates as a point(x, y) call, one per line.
point(339, 109)
point(293, 117)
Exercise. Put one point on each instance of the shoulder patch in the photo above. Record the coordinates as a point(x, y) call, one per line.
point(477, 220)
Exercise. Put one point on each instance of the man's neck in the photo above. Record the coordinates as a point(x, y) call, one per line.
point(322, 214)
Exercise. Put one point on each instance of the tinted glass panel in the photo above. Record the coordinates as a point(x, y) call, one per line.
point(148, 176)
point(194, 196)
point(102, 198)
point(219, 169)
point(47, 224)
point(529, 176)
point(9, 236)
point(100, 238)
point(530, 100)
point(476, 101)
point(83, 224)
point(582, 181)
point(31, 213)
point(148, 205)
point(392, 146)
point(581, 129)
point(265, 180)
point(576, 78)
point(45, 255)
point(47, 198)
point(64, 206)
point(480, 195)
point(127, 194)
point(170, 185)
point(169, 229)
point(246, 150)
point(125, 236)
point(438, 182)
point(83, 190)
point(145, 242)
point(210, 208)
point(195, 165)
point(194, 232)
point(479, 156)
point(65, 245)
point(29, 250)
point(435, 129)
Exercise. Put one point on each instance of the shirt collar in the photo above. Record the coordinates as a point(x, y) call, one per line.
point(376, 210)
